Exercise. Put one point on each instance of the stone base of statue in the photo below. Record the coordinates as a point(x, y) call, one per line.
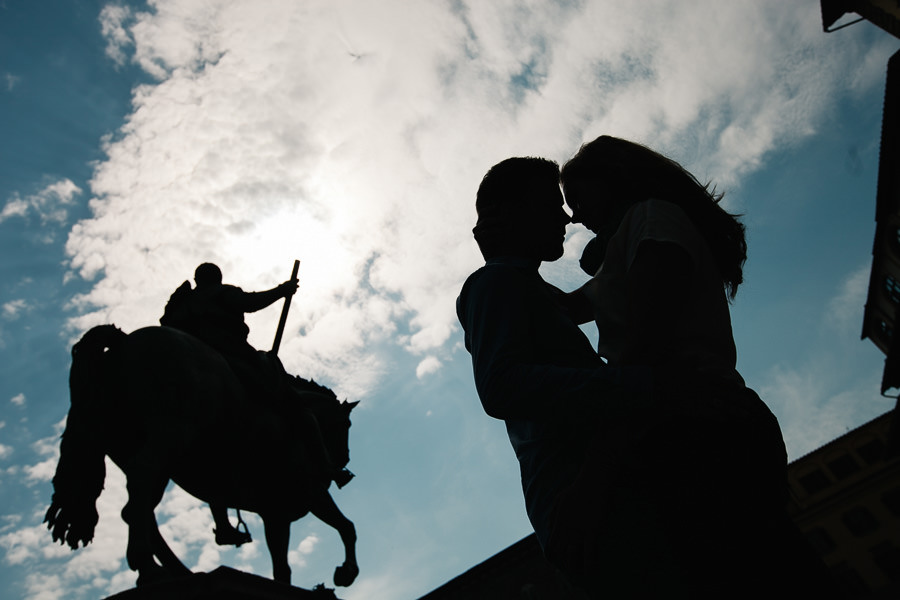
point(223, 584)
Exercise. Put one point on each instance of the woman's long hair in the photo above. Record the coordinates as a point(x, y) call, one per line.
point(641, 170)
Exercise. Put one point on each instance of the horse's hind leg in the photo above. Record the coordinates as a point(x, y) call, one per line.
point(324, 508)
point(144, 540)
point(278, 533)
point(165, 555)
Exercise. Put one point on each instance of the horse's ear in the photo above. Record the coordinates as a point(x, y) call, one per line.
point(350, 405)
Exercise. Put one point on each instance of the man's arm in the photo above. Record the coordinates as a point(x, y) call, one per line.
point(253, 301)
point(511, 383)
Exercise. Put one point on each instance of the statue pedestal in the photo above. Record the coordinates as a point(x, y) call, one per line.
point(223, 583)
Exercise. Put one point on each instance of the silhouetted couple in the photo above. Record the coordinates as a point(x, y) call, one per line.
point(214, 313)
point(654, 471)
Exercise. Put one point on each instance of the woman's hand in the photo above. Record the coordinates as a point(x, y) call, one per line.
point(574, 304)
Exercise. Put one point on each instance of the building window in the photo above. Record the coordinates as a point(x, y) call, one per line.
point(814, 482)
point(871, 452)
point(820, 541)
point(884, 330)
point(849, 580)
point(859, 521)
point(892, 289)
point(887, 557)
point(843, 466)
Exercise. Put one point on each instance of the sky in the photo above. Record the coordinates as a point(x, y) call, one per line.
point(139, 139)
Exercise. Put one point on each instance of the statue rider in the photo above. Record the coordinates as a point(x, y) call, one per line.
point(214, 313)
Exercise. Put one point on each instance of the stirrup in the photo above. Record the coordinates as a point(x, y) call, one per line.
point(236, 536)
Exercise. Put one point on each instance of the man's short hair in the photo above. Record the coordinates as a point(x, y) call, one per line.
point(506, 191)
point(208, 274)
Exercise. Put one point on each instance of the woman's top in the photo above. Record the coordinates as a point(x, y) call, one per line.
point(702, 340)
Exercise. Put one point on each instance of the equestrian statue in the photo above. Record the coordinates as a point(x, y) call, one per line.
point(192, 402)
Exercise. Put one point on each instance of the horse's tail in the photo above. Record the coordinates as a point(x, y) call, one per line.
point(81, 470)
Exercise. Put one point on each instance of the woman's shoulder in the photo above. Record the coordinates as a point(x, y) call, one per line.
point(660, 215)
point(661, 221)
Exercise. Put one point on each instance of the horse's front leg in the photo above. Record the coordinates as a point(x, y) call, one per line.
point(324, 508)
point(278, 533)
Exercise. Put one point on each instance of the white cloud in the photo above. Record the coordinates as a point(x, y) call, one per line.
point(50, 203)
point(113, 20)
point(307, 544)
point(427, 366)
point(16, 207)
point(188, 528)
point(42, 471)
point(45, 587)
point(49, 446)
point(23, 544)
point(18, 399)
point(5, 451)
point(297, 557)
point(846, 309)
point(11, 81)
point(13, 308)
point(9, 521)
point(210, 558)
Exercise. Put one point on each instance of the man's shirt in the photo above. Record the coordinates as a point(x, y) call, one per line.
point(536, 370)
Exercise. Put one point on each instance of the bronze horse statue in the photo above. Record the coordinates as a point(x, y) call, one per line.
point(165, 406)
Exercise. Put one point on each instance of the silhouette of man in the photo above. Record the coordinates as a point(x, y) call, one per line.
point(533, 367)
point(214, 313)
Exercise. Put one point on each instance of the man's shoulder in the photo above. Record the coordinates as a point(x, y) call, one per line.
point(498, 274)
point(497, 283)
point(229, 291)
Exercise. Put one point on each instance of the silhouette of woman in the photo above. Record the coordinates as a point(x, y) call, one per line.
point(688, 498)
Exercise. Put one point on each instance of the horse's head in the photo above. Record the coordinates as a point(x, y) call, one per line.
point(335, 425)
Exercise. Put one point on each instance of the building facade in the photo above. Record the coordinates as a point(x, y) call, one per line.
point(845, 497)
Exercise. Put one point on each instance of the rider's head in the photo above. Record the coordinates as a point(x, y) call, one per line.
point(207, 275)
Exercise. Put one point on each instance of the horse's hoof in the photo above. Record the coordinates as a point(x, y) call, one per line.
point(344, 575)
point(343, 477)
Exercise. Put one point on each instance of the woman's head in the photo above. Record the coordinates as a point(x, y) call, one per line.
point(609, 175)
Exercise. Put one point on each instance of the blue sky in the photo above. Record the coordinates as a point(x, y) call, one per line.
point(140, 139)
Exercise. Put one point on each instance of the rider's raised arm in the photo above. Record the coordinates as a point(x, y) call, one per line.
point(253, 301)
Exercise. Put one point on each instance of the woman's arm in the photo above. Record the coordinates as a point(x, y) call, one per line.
point(574, 304)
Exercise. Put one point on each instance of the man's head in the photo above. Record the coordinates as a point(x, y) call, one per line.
point(520, 210)
point(207, 275)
